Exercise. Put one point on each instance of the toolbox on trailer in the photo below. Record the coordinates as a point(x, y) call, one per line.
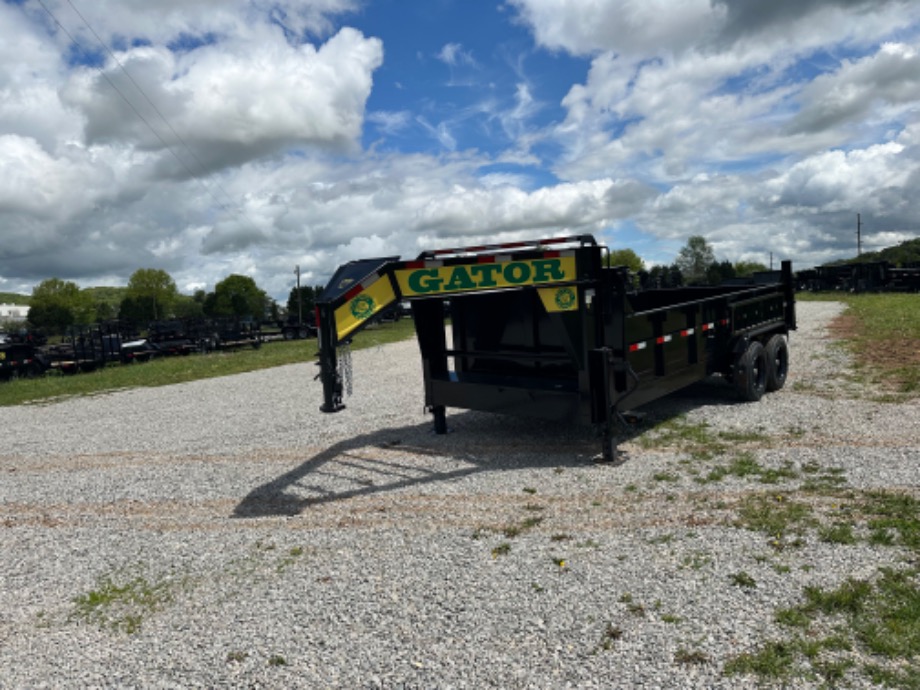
point(546, 329)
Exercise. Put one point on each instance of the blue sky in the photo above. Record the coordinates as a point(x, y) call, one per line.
point(210, 137)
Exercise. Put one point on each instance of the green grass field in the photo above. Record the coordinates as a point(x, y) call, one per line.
point(883, 332)
point(169, 370)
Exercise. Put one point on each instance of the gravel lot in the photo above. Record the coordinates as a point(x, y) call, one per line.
point(225, 533)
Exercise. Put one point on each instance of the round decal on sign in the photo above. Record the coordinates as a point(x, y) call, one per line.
point(565, 298)
point(362, 307)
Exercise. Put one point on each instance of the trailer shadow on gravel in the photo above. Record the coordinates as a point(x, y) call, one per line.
point(397, 458)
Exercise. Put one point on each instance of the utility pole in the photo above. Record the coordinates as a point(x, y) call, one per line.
point(299, 298)
point(858, 235)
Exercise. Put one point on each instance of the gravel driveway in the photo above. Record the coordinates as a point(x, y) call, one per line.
point(225, 533)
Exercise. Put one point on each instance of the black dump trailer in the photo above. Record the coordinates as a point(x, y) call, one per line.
point(545, 329)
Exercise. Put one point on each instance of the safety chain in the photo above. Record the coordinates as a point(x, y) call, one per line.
point(344, 367)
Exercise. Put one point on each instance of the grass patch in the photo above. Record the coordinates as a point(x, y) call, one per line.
point(777, 516)
point(502, 549)
point(171, 370)
point(893, 518)
point(122, 607)
point(699, 440)
point(688, 657)
point(611, 634)
point(744, 465)
point(863, 628)
point(743, 580)
point(877, 620)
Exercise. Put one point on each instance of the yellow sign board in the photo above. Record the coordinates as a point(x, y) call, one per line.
point(362, 306)
point(559, 299)
point(416, 282)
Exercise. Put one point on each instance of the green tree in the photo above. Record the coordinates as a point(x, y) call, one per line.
point(720, 271)
point(626, 257)
point(136, 310)
point(57, 304)
point(187, 307)
point(308, 294)
point(632, 261)
point(664, 277)
point(153, 289)
point(695, 259)
point(236, 295)
point(743, 269)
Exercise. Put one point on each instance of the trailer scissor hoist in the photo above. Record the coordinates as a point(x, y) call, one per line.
point(546, 329)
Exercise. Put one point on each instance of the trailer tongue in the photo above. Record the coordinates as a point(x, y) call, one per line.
point(544, 329)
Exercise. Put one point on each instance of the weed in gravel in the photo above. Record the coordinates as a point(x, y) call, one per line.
point(696, 560)
point(517, 529)
point(611, 634)
point(122, 607)
point(743, 580)
point(292, 556)
point(531, 522)
point(588, 544)
point(778, 516)
point(744, 465)
point(893, 518)
point(774, 661)
point(665, 477)
point(690, 656)
point(634, 607)
point(822, 480)
point(698, 440)
point(502, 549)
point(236, 657)
point(695, 439)
point(877, 620)
point(277, 660)
point(666, 538)
point(837, 533)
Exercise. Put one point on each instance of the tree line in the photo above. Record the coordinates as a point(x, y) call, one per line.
point(696, 264)
point(151, 295)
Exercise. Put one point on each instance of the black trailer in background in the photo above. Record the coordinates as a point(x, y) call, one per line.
point(547, 330)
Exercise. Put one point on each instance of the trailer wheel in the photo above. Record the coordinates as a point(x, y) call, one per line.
point(750, 374)
point(777, 354)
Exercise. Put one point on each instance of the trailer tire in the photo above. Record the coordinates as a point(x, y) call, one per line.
point(750, 372)
point(777, 354)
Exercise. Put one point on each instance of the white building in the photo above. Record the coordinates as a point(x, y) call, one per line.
point(13, 312)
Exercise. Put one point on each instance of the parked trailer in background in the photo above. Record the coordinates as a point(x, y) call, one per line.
point(545, 329)
point(870, 276)
point(20, 357)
